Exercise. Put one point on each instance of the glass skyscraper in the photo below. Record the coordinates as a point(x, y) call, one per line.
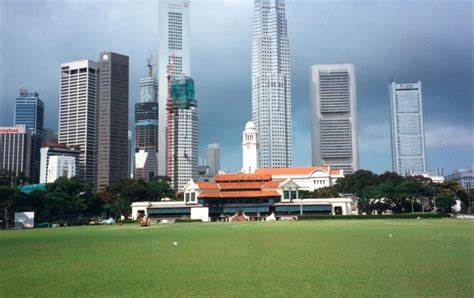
point(408, 138)
point(29, 111)
point(271, 84)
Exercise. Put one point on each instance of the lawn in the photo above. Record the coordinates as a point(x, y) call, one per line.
point(307, 258)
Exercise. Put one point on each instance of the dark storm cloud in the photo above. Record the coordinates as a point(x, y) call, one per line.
point(405, 40)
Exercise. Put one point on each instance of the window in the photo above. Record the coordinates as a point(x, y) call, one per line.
point(286, 194)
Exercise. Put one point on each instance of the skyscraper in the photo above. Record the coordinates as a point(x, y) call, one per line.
point(15, 149)
point(112, 144)
point(77, 113)
point(29, 111)
point(146, 128)
point(408, 137)
point(173, 49)
point(334, 117)
point(213, 158)
point(271, 84)
point(182, 133)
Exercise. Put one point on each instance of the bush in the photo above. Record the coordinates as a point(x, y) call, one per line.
point(389, 216)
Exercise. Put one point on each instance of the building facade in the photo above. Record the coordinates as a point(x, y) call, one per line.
point(406, 122)
point(271, 83)
point(29, 111)
point(50, 150)
point(15, 149)
point(112, 133)
point(146, 128)
point(465, 177)
point(213, 159)
point(60, 166)
point(249, 148)
point(334, 138)
point(182, 133)
point(174, 49)
point(77, 113)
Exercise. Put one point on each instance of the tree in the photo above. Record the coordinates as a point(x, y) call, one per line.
point(158, 189)
point(447, 193)
point(8, 196)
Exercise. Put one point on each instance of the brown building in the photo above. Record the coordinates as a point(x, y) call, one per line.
point(112, 129)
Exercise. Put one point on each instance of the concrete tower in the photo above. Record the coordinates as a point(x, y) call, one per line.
point(271, 84)
point(334, 117)
point(408, 137)
point(182, 134)
point(249, 148)
point(112, 137)
point(173, 49)
point(77, 113)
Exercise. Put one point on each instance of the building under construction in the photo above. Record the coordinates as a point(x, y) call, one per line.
point(182, 132)
point(146, 128)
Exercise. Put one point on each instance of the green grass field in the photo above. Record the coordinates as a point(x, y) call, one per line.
point(306, 258)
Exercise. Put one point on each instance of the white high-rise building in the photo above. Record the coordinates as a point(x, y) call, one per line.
point(334, 117)
point(183, 133)
point(213, 158)
point(77, 112)
point(174, 28)
point(249, 148)
point(408, 137)
point(271, 84)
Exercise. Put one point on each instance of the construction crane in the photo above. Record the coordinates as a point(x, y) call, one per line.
point(150, 64)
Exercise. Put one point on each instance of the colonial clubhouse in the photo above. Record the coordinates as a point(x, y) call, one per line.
point(264, 193)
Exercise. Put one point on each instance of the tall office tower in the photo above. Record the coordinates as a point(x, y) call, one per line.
point(271, 84)
point(15, 149)
point(112, 130)
point(182, 133)
point(249, 148)
point(146, 128)
point(78, 114)
point(173, 49)
point(408, 137)
point(29, 111)
point(213, 158)
point(58, 150)
point(334, 117)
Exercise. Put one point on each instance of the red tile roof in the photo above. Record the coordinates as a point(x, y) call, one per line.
point(207, 185)
point(289, 171)
point(240, 194)
point(242, 177)
point(241, 185)
point(273, 184)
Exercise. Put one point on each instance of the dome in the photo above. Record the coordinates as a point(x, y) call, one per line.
point(250, 125)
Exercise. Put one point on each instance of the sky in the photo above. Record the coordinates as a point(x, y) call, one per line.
point(407, 41)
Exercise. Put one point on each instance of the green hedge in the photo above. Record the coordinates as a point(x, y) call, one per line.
point(389, 216)
point(187, 220)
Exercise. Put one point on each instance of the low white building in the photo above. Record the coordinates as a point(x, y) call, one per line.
point(48, 151)
point(60, 166)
